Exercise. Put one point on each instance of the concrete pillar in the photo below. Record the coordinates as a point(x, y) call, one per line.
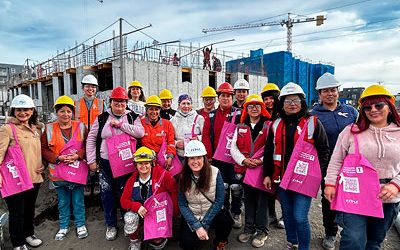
point(56, 91)
point(67, 83)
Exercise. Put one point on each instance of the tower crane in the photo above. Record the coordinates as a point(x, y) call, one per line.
point(287, 22)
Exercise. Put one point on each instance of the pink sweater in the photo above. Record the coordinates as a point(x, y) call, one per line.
point(380, 146)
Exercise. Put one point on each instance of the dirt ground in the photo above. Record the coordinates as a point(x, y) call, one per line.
point(96, 240)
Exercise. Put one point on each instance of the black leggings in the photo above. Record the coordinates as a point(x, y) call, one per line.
point(21, 207)
point(222, 223)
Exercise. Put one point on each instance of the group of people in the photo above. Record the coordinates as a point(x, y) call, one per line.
point(156, 164)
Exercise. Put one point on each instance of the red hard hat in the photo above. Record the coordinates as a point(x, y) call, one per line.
point(225, 87)
point(119, 93)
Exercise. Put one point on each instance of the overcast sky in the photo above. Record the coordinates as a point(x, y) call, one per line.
point(361, 38)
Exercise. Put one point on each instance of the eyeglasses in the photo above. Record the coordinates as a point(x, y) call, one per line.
point(292, 101)
point(252, 106)
point(378, 106)
point(209, 100)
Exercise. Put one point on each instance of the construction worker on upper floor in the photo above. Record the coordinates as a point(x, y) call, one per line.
point(335, 117)
point(166, 102)
point(209, 97)
point(89, 106)
point(241, 88)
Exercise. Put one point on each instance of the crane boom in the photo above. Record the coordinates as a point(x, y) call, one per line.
point(285, 22)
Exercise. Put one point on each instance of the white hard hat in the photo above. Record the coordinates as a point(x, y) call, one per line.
point(90, 79)
point(22, 101)
point(241, 84)
point(291, 89)
point(327, 80)
point(195, 148)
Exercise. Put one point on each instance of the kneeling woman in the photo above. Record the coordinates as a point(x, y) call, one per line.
point(146, 181)
point(54, 140)
point(201, 196)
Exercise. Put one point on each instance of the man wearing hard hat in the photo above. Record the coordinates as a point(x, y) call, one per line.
point(241, 88)
point(335, 117)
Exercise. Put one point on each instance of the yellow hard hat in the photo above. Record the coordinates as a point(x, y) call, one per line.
point(253, 98)
point(143, 154)
point(153, 100)
point(165, 94)
point(135, 84)
point(269, 87)
point(209, 92)
point(374, 90)
point(64, 100)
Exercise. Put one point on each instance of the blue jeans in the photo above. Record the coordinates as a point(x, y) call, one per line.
point(295, 209)
point(68, 193)
point(111, 191)
point(364, 232)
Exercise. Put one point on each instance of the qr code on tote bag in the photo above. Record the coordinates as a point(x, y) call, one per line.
point(351, 185)
point(125, 154)
point(161, 215)
point(301, 168)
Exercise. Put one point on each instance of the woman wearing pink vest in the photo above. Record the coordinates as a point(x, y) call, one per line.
point(280, 149)
point(378, 132)
point(21, 206)
point(249, 138)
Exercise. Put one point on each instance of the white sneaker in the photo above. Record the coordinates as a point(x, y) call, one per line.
point(82, 232)
point(61, 234)
point(23, 247)
point(33, 241)
point(111, 233)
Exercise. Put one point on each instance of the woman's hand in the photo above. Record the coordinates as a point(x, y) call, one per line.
point(329, 193)
point(40, 169)
point(267, 182)
point(142, 211)
point(115, 123)
point(71, 158)
point(93, 167)
point(388, 192)
point(168, 163)
point(257, 162)
point(180, 144)
point(202, 233)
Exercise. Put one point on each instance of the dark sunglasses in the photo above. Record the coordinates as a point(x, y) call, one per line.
point(378, 106)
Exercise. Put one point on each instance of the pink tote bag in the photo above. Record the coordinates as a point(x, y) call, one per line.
point(120, 153)
point(303, 172)
point(358, 187)
point(176, 166)
point(76, 172)
point(158, 221)
point(13, 169)
point(223, 150)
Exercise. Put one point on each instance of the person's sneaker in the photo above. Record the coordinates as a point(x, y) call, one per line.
point(237, 218)
point(82, 232)
point(134, 245)
point(329, 242)
point(33, 241)
point(291, 246)
point(96, 189)
point(111, 233)
point(221, 246)
point(23, 247)
point(259, 240)
point(280, 224)
point(61, 234)
point(87, 190)
point(245, 237)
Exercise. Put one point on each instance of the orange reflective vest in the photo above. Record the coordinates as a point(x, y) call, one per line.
point(88, 115)
point(56, 142)
point(278, 127)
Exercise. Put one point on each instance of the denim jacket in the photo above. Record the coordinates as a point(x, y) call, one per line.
point(192, 221)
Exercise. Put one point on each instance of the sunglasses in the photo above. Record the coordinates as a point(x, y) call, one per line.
point(293, 101)
point(378, 106)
